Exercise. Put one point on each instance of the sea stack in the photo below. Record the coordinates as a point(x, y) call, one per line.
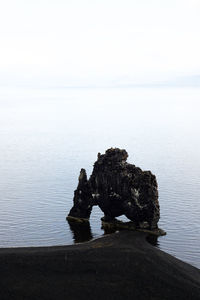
point(118, 188)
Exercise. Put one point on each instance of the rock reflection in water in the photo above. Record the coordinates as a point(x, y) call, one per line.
point(81, 231)
point(109, 230)
point(153, 240)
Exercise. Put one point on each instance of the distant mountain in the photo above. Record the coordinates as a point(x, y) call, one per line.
point(184, 81)
point(189, 81)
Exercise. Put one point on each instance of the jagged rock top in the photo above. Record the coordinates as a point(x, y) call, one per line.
point(114, 155)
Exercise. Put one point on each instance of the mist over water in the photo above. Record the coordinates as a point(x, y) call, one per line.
point(48, 135)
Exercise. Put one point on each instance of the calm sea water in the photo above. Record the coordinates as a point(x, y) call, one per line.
point(47, 136)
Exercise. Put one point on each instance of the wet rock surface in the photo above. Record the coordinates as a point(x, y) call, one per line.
point(118, 188)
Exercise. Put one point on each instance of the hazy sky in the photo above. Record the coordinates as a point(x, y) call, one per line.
point(98, 42)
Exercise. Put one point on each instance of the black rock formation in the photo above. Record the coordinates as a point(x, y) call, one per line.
point(118, 188)
point(82, 198)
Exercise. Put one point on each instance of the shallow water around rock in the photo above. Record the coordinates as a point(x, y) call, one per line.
point(48, 135)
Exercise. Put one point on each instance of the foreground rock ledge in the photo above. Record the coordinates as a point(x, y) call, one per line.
point(117, 266)
point(118, 188)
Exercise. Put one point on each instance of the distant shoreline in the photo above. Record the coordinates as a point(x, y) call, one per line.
point(117, 266)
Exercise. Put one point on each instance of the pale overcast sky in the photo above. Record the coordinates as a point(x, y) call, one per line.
point(98, 42)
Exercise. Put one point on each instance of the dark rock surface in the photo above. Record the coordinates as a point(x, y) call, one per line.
point(118, 266)
point(118, 188)
point(82, 198)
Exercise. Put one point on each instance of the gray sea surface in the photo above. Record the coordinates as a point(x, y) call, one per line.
point(48, 135)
